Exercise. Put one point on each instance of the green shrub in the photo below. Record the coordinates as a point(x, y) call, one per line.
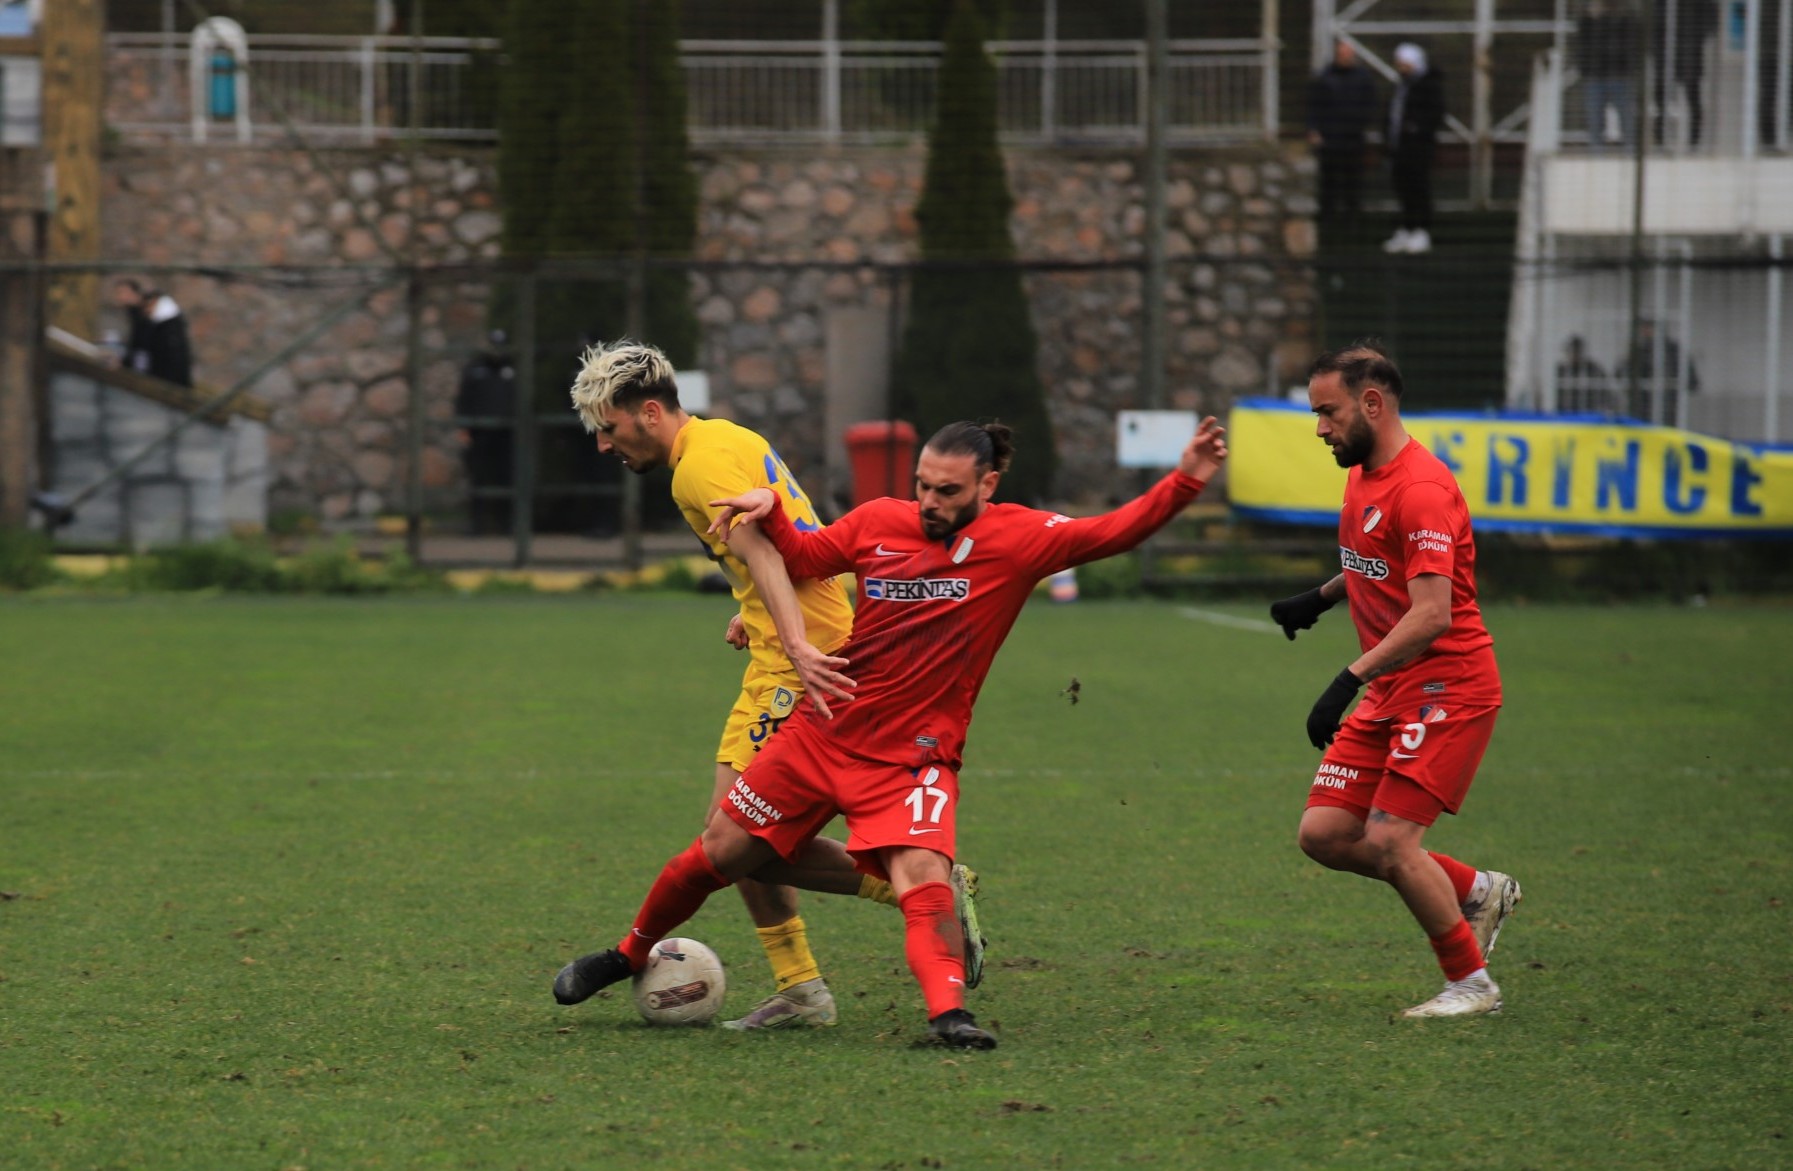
point(247, 567)
point(25, 560)
point(1112, 577)
point(339, 569)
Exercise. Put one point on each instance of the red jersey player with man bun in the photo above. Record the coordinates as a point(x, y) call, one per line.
point(941, 579)
point(1410, 750)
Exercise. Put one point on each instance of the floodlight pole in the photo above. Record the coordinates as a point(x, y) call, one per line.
point(419, 414)
point(1152, 347)
point(1640, 135)
point(637, 273)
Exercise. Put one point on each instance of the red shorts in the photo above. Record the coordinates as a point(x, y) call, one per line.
point(1415, 764)
point(802, 779)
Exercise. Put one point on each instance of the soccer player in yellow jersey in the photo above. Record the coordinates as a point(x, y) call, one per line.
point(626, 395)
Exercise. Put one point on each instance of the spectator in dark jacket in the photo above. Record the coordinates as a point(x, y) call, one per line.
point(158, 343)
point(1606, 54)
point(1415, 115)
point(1682, 29)
point(486, 405)
point(1341, 105)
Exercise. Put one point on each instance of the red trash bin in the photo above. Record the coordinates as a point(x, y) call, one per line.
point(883, 458)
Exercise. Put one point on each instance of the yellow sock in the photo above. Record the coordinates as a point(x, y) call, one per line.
point(877, 890)
point(787, 946)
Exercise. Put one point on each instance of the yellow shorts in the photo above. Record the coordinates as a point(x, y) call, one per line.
point(765, 702)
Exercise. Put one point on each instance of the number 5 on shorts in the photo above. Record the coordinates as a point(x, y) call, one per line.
point(918, 798)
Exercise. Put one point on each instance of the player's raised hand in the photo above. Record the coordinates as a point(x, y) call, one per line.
point(1206, 451)
point(749, 505)
point(736, 635)
point(822, 677)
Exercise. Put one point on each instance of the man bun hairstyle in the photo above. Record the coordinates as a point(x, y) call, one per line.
point(623, 374)
point(990, 445)
point(1362, 363)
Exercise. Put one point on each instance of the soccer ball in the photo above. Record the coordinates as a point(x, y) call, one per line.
point(682, 984)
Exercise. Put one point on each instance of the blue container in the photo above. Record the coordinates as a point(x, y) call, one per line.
point(223, 93)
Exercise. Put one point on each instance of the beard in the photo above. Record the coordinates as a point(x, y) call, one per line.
point(1358, 442)
point(939, 527)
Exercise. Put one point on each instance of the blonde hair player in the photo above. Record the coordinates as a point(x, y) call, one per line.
point(940, 581)
point(626, 396)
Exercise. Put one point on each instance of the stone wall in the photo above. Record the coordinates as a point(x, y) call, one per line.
point(785, 241)
point(291, 238)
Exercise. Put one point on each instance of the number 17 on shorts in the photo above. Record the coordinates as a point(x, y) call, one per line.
point(926, 803)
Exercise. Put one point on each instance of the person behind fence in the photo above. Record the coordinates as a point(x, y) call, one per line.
point(1415, 115)
point(158, 344)
point(486, 404)
point(1341, 106)
point(1656, 398)
point(1606, 54)
point(1682, 29)
point(1581, 383)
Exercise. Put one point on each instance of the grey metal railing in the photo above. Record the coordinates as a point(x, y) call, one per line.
point(357, 89)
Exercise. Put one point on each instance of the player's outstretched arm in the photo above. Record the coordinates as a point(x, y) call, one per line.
point(821, 674)
point(1206, 451)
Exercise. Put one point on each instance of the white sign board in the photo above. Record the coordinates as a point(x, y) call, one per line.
point(1152, 439)
point(694, 390)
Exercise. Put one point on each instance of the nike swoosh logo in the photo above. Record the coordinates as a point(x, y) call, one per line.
point(881, 551)
point(913, 831)
point(1405, 755)
point(955, 980)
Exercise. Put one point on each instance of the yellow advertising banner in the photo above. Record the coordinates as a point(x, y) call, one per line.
point(1531, 473)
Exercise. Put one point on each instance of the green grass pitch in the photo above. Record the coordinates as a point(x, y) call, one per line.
point(287, 881)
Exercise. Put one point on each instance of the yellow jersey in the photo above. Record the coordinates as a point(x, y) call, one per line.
point(713, 459)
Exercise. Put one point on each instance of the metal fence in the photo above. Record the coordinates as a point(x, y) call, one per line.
point(358, 89)
point(1714, 79)
point(1654, 225)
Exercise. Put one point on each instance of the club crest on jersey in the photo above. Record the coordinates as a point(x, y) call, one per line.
point(1372, 516)
point(1373, 568)
point(784, 701)
point(921, 589)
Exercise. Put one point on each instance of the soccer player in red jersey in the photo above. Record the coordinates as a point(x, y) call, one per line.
point(941, 579)
point(1410, 750)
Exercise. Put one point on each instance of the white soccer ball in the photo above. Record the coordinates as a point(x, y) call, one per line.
point(682, 984)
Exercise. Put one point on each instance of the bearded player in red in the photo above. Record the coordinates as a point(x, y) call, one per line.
point(941, 579)
point(1410, 750)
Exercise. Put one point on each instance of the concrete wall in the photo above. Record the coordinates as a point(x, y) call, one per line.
point(208, 482)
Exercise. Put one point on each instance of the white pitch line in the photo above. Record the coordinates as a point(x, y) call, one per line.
point(1219, 619)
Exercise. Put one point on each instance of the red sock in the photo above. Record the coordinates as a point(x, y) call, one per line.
point(1458, 952)
point(935, 946)
point(683, 885)
point(1461, 874)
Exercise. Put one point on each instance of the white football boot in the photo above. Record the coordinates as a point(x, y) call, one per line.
point(1489, 909)
point(1471, 997)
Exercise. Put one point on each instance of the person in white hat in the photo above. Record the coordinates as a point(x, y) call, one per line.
point(1415, 114)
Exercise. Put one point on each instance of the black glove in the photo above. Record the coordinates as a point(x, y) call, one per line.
point(1301, 611)
point(1329, 709)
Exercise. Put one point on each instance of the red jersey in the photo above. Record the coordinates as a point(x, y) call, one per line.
point(931, 615)
point(1406, 518)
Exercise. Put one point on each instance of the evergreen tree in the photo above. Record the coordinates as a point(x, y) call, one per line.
point(592, 164)
point(970, 351)
point(529, 122)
